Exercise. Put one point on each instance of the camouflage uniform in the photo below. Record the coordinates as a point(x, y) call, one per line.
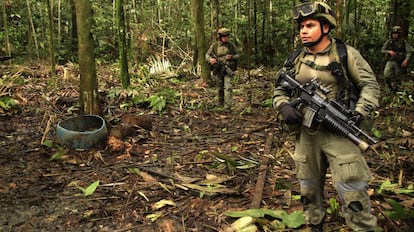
point(220, 49)
point(393, 71)
point(316, 148)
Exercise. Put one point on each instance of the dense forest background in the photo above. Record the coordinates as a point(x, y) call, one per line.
point(173, 159)
point(166, 29)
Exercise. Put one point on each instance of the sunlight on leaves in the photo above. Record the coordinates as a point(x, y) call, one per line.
point(154, 216)
point(386, 186)
point(293, 220)
point(143, 195)
point(245, 223)
point(162, 203)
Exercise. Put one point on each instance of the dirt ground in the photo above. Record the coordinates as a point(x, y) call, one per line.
point(197, 159)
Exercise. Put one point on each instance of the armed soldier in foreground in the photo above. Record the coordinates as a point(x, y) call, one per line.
point(336, 67)
point(398, 52)
point(222, 57)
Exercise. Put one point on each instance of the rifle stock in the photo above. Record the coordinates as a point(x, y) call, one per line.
point(329, 113)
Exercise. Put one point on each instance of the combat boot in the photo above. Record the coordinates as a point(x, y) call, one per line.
point(317, 228)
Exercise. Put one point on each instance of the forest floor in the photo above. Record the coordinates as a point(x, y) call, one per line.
point(184, 172)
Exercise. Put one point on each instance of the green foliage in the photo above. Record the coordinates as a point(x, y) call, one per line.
point(399, 212)
point(267, 103)
point(387, 186)
point(157, 102)
point(165, 96)
point(334, 207)
point(231, 164)
point(268, 37)
point(7, 103)
point(90, 189)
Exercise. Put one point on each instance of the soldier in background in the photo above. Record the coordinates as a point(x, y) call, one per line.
point(222, 57)
point(398, 52)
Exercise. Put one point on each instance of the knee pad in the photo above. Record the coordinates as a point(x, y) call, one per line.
point(356, 201)
point(305, 200)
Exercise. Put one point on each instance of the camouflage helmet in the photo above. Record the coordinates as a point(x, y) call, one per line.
point(396, 29)
point(223, 32)
point(316, 10)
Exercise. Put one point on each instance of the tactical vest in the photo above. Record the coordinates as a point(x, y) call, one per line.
point(223, 50)
point(398, 46)
point(347, 90)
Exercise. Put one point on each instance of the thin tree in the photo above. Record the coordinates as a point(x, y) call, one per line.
point(401, 14)
point(123, 48)
point(29, 13)
point(339, 9)
point(52, 57)
point(6, 29)
point(89, 97)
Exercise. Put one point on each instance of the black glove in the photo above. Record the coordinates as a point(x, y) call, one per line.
point(290, 114)
point(357, 118)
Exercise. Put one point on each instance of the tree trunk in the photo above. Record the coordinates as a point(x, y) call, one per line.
point(74, 31)
point(6, 29)
point(201, 38)
point(29, 13)
point(401, 16)
point(52, 57)
point(339, 13)
point(89, 97)
point(123, 60)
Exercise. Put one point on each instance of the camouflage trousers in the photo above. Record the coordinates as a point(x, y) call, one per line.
point(317, 150)
point(393, 74)
point(225, 90)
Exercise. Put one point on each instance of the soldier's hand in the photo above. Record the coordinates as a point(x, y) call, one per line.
point(404, 63)
point(290, 114)
point(229, 57)
point(357, 118)
point(213, 61)
point(392, 53)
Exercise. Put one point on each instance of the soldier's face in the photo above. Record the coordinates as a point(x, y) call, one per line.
point(395, 35)
point(310, 30)
point(224, 38)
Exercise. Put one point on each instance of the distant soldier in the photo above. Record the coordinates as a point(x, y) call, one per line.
point(222, 57)
point(398, 52)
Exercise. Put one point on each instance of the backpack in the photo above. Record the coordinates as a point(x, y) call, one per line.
point(337, 70)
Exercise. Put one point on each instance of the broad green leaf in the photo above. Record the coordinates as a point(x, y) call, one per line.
point(294, 220)
point(249, 212)
point(90, 189)
point(279, 214)
point(386, 185)
point(399, 211)
point(48, 143)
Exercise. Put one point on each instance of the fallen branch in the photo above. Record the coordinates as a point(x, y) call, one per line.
point(257, 195)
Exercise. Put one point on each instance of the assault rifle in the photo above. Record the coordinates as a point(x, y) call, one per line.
point(330, 113)
point(221, 64)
